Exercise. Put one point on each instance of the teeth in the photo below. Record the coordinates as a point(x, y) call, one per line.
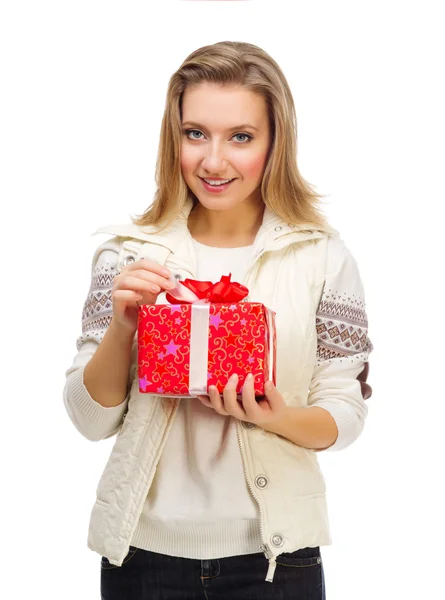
point(210, 182)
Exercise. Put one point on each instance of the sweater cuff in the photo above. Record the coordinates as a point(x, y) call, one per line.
point(92, 410)
point(347, 421)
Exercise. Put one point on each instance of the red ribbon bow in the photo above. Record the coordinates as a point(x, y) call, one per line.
point(222, 291)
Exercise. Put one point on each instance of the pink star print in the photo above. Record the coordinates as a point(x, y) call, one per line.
point(171, 348)
point(178, 321)
point(175, 308)
point(216, 320)
point(243, 322)
point(143, 383)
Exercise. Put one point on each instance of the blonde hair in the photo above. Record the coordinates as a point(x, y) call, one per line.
point(283, 189)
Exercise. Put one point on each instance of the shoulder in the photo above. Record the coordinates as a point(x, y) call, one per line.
point(106, 253)
point(339, 257)
point(128, 230)
point(118, 237)
point(342, 274)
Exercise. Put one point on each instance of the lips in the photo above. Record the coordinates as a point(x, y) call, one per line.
point(230, 180)
point(216, 189)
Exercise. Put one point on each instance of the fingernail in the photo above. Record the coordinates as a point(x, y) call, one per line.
point(234, 377)
point(249, 377)
point(268, 386)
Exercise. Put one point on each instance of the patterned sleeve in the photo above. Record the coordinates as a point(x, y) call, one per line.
point(94, 421)
point(339, 381)
point(98, 308)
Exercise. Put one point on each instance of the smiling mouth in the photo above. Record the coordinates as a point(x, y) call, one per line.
point(217, 186)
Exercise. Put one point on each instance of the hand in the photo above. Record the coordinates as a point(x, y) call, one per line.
point(141, 281)
point(262, 412)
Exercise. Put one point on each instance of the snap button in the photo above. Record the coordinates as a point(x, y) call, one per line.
point(292, 225)
point(318, 560)
point(261, 481)
point(128, 259)
point(277, 540)
point(278, 228)
point(248, 425)
point(177, 276)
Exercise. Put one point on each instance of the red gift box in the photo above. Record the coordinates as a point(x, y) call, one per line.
point(184, 347)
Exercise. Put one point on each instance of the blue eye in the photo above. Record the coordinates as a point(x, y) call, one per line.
point(249, 137)
point(191, 131)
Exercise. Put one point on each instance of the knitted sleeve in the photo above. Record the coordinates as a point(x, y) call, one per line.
point(339, 381)
point(94, 421)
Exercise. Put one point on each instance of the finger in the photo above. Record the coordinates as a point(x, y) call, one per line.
point(128, 295)
point(205, 400)
point(231, 404)
point(148, 265)
point(248, 397)
point(137, 283)
point(216, 400)
point(146, 276)
point(273, 395)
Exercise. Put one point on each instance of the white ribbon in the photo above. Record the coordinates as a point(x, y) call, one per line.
point(199, 337)
point(199, 349)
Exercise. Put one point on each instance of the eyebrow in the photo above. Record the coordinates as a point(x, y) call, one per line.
point(244, 126)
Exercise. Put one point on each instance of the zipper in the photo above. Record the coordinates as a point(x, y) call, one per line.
point(281, 246)
point(264, 546)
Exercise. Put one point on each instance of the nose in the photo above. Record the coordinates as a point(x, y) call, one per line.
point(214, 160)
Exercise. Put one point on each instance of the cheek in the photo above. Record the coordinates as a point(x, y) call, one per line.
point(186, 163)
point(189, 159)
point(253, 167)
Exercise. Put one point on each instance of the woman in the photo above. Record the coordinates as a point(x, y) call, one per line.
point(217, 496)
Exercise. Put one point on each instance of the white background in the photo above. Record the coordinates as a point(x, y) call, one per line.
point(83, 91)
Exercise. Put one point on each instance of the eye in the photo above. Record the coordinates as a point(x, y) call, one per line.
point(192, 131)
point(246, 135)
point(188, 133)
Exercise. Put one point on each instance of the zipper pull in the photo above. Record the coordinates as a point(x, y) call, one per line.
point(266, 551)
point(271, 569)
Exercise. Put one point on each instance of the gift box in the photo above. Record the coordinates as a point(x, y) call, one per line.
point(203, 336)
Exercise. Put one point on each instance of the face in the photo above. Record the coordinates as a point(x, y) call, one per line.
point(225, 135)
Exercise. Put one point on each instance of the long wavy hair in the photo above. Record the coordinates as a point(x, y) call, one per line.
point(283, 189)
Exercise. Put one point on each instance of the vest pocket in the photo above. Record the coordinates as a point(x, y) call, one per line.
point(302, 463)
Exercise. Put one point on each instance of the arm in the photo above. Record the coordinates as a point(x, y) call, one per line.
point(336, 411)
point(311, 427)
point(96, 388)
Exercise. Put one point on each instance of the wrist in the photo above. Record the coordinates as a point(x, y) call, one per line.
point(120, 331)
point(278, 426)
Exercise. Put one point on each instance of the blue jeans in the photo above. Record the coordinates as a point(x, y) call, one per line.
point(147, 575)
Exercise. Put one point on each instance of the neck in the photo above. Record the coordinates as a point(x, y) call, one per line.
point(231, 228)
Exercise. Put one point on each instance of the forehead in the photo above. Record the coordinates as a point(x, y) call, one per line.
point(223, 106)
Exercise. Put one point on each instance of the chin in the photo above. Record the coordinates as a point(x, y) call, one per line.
point(219, 203)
